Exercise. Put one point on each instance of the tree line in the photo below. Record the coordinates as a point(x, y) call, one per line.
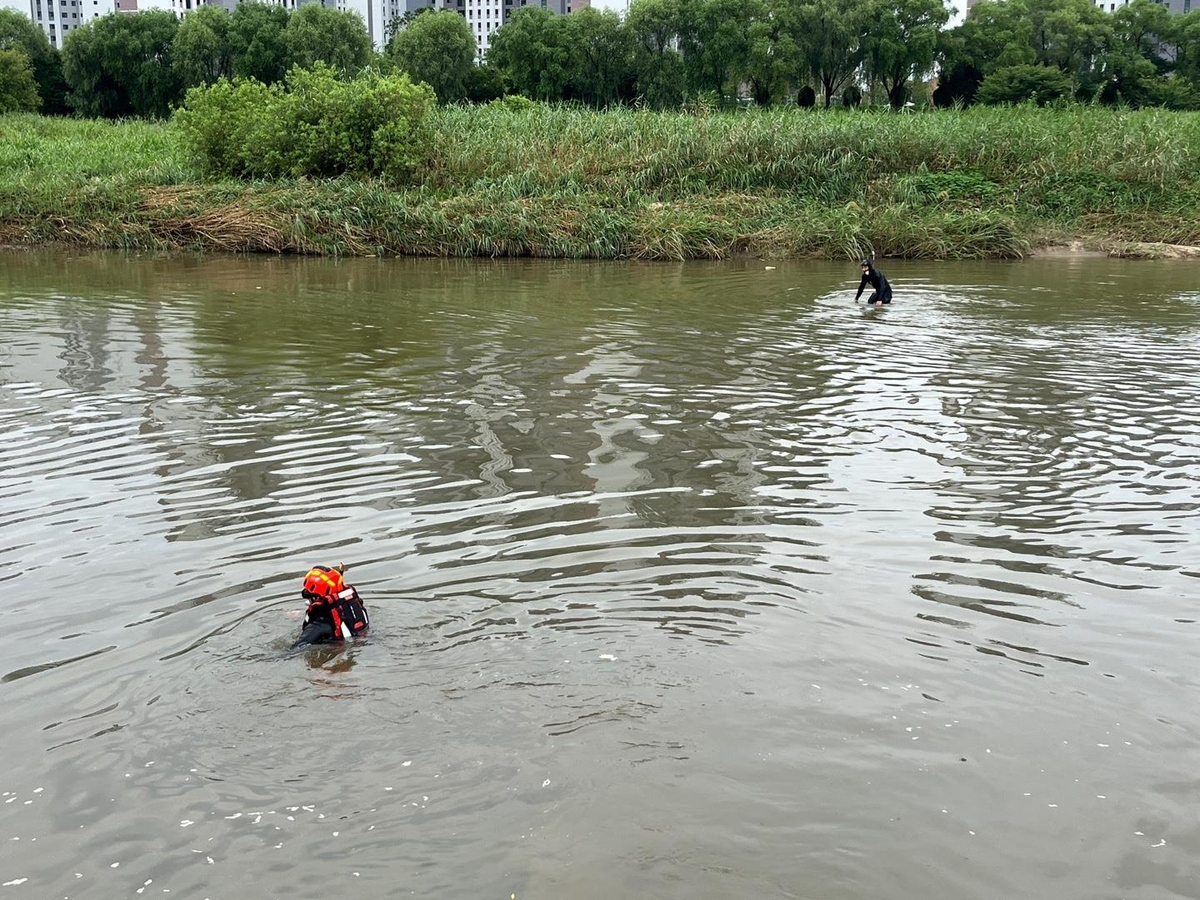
point(663, 54)
point(123, 65)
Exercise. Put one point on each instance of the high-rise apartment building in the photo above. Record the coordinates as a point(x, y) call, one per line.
point(1173, 6)
point(57, 18)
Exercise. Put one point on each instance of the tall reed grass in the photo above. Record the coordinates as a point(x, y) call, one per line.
point(566, 182)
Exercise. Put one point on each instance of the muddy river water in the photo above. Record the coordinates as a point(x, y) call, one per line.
point(686, 581)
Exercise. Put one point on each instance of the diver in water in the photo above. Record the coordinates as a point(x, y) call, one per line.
point(872, 276)
point(335, 611)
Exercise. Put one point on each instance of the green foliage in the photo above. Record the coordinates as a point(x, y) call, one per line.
point(1138, 59)
point(201, 52)
point(229, 130)
point(996, 34)
point(17, 32)
point(438, 49)
point(398, 23)
point(772, 60)
point(1023, 84)
point(657, 66)
point(957, 86)
point(601, 57)
point(1071, 35)
point(61, 174)
point(831, 38)
point(949, 187)
point(256, 41)
point(715, 40)
point(120, 65)
point(1077, 193)
point(316, 124)
point(514, 103)
point(1186, 35)
point(902, 44)
point(485, 83)
point(18, 90)
point(566, 181)
point(1140, 28)
point(317, 34)
point(585, 57)
point(528, 51)
point(687, 48)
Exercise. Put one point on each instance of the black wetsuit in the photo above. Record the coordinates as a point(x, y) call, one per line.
point(877, 280)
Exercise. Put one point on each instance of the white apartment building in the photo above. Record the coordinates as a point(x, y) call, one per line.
point(57, 18)
point(1172, 6)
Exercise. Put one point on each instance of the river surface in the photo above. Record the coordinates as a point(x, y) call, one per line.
point(687, 581)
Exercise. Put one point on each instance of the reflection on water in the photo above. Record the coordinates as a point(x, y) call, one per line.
point(686, 581)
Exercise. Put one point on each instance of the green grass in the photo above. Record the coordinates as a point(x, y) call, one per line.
point(565, 182)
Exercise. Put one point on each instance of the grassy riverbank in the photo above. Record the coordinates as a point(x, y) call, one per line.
point(626, 184)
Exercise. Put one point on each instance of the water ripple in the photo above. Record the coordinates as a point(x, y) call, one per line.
point(715, 545)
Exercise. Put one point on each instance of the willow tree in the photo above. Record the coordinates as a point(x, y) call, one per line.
point(318, 34)
point(831, 39)
point(436, 48)
point(17, 32)
point(531, 53)
point(714, 38)
point(201, 52)
point(120, 65)
point(902, 44)
point(653, 26)
point(256, 40)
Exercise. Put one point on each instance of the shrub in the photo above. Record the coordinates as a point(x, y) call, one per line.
point(513, 103)
point(217, 121)
point(1021, 84)
point(316, 124)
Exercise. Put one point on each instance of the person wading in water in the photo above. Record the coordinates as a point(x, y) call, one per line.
point(882, 292)
point(335, 611)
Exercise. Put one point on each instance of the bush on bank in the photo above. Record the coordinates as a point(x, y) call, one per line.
point(315, 124)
